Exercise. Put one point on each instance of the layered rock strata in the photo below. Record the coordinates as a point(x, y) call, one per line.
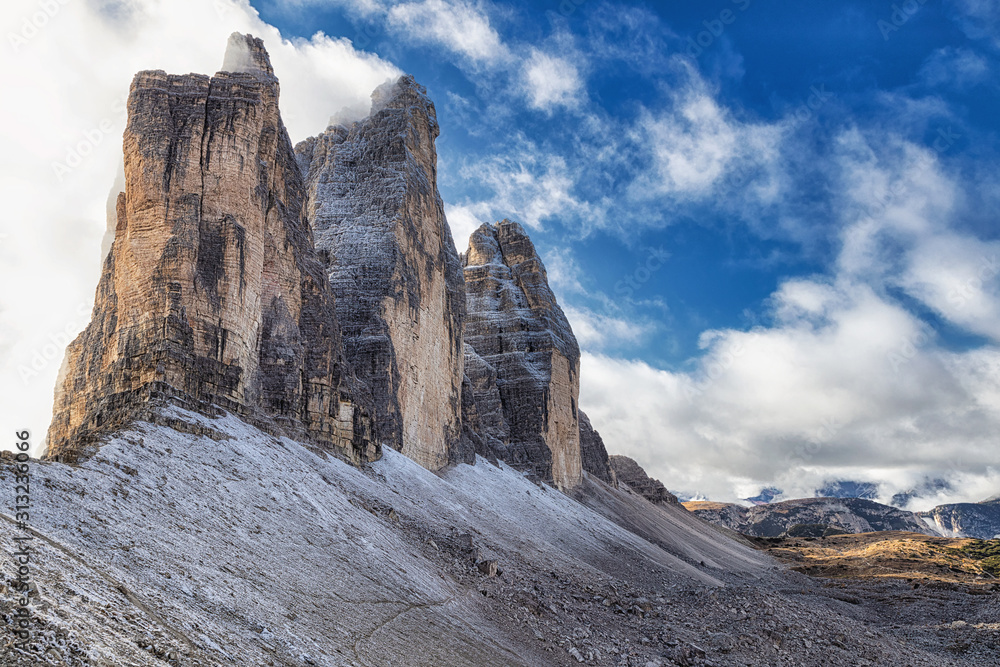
point(523, 362)
point(631, 474)
point(212, 295)
point(593, 455)
point(379, 220)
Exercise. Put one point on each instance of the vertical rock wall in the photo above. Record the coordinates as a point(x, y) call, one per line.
point(212, 294)
point(379, 220)
point(524, 362)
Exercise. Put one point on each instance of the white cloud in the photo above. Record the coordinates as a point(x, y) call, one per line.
point(845, 382)
point(980, 19)
point(460, 26)
point(819, 392)
point(67, 80)
point(528, 185)
point(899, 203)
point(463, 220)
point(695, 143)
point(596, 331)
point(551, 81)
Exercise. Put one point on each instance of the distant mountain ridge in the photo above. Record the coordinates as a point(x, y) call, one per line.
point(810, 515)
point(979, 520)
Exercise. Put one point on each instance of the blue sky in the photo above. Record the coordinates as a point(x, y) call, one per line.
point(811, 181)
point(820, 68)
point(772, 225)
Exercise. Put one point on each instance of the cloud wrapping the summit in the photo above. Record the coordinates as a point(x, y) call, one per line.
point(68, 82)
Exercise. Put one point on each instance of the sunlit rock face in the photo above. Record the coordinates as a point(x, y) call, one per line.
point(524, 362)
point(212, 295)
point(379, 220)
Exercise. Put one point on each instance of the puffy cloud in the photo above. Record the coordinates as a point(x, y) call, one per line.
point(844, 384)
point(695, 142)
point(68, 71)
point(551, 81)
point(845, 381)
point(459, 26)
point(595, 331)
point(462, 27)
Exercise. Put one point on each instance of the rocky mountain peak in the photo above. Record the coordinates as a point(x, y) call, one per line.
point(374, 207)
point(524, 362)
point(246, 54)
point(212, 295)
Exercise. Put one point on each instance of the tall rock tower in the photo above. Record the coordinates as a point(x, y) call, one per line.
point(524, 362)
point(378, 218)
point(212, 294)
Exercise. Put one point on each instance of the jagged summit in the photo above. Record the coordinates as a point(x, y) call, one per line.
point(378, 218)
point(506, 244)
point(525, 369)
point(246, 54)
point(212, 295)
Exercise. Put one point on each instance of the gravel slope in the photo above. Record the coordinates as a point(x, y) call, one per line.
point(236, 547)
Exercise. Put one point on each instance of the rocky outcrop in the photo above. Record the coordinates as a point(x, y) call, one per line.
point(808, 515)
point(593, 454)
point(632, 475)
point(524, 362)
point(978, 520)
point(212, 295)
point(491, 425)
point(379, 220)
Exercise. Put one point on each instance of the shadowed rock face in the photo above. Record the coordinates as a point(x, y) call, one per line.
point(524, 362)
point(377, 215)
point(593, 454)
point(212, 294)
point(631, 474)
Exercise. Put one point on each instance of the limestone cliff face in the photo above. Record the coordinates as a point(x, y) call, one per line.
point(632, 475)
point(593, 454)
point(523, 362)
point(377, 215)
point(212, 294)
